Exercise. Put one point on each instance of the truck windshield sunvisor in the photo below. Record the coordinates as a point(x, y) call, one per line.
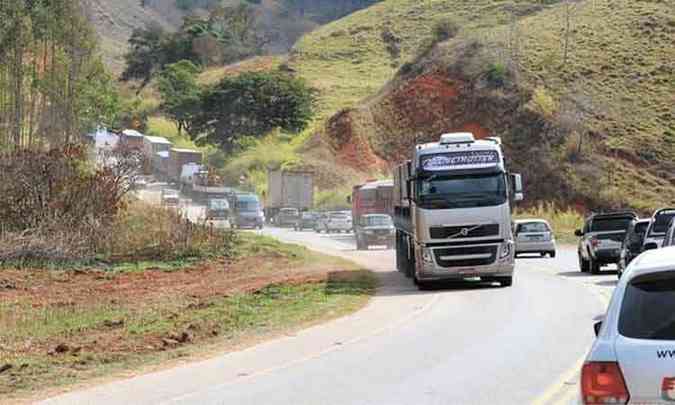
point(445, 192)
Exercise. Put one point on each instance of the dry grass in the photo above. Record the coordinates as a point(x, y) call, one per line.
point(563, 220)
point(148, 232)
point(59, 328)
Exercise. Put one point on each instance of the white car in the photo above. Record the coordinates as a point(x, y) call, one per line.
point(632, 361)
point(334, 222)
point(534, 236)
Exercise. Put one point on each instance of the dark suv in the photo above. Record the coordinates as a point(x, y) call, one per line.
point(632, 243)
point(601, 239)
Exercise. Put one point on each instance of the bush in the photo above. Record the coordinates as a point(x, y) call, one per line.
point(445, 29)
point(55, 205)
point(564, 221)
point(496, 74)
point(148, 232)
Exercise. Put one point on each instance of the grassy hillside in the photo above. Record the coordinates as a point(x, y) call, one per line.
point(596, 128)
point(281, 22)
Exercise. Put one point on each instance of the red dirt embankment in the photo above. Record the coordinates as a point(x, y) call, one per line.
point(191, 288)
point(381, 132)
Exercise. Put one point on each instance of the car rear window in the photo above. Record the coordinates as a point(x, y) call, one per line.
point(661, 222)
point(528, 227)
point(648, 308)
point(641, 227)
point(610, 224)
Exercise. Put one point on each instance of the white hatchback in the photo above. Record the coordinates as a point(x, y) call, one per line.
point(632, 361)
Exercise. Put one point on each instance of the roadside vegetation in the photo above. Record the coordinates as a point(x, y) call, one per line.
point(63, 327)
point(551, 78)
point(94, 281)
point(564, 221)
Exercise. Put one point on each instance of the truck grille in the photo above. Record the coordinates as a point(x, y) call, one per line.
point(462, 256)
point(444, 232)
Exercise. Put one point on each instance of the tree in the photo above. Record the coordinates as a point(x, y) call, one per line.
point(252, 104)
point(146, 54)
point(180, 93)
point(49, 68)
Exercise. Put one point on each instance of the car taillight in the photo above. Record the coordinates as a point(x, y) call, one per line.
point(595, 242)
point(603, 383)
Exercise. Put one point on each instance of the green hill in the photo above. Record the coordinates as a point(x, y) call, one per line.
point(595, 128)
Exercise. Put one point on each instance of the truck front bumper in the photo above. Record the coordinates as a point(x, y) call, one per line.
point(463, 262)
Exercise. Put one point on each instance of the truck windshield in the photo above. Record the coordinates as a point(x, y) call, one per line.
point(437, 192)
point(380, 220)
point(218, 205)
point(249, 204)
point(368, 196)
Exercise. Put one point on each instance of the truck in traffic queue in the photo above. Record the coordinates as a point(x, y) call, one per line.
point(452, 211)
point(246, 211)
point(202, 183)
point(177, 159)
point(372, 197)
point(288, 189)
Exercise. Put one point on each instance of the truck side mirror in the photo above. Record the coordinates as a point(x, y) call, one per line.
point(517, 181)
point(596, 327)
point(578, 233)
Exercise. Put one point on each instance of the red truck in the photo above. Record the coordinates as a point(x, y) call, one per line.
point(372, 197)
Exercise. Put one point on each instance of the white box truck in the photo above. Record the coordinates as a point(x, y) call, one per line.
point(288, 189)
point(452, 211)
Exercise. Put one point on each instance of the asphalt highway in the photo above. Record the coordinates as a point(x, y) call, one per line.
point(471, 343)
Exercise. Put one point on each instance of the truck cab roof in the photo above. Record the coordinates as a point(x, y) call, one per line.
point(459, 151)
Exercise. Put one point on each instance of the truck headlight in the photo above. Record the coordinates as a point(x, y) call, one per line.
point(506, 249)
point(427, 256)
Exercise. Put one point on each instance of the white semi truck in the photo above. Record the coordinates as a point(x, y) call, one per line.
point(452, 211)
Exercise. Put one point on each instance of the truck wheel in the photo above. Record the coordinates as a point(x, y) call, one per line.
point(552, 254)
point(410, 265)
point(594, 266)
point(505, 281)
point(583, 264)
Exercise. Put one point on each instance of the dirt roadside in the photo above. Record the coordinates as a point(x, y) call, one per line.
point(61, 329)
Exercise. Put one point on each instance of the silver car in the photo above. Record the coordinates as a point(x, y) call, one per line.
point(534, 236)
point(632, 361)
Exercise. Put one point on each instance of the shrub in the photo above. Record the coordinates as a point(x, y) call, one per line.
point(496, 74)
point(148, 232)
point(55, 204)
point(444, 29)
point(542, 103)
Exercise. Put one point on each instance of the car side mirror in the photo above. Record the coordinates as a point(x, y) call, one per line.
point(651, 246)
point(596, 327)
point(578, 233)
